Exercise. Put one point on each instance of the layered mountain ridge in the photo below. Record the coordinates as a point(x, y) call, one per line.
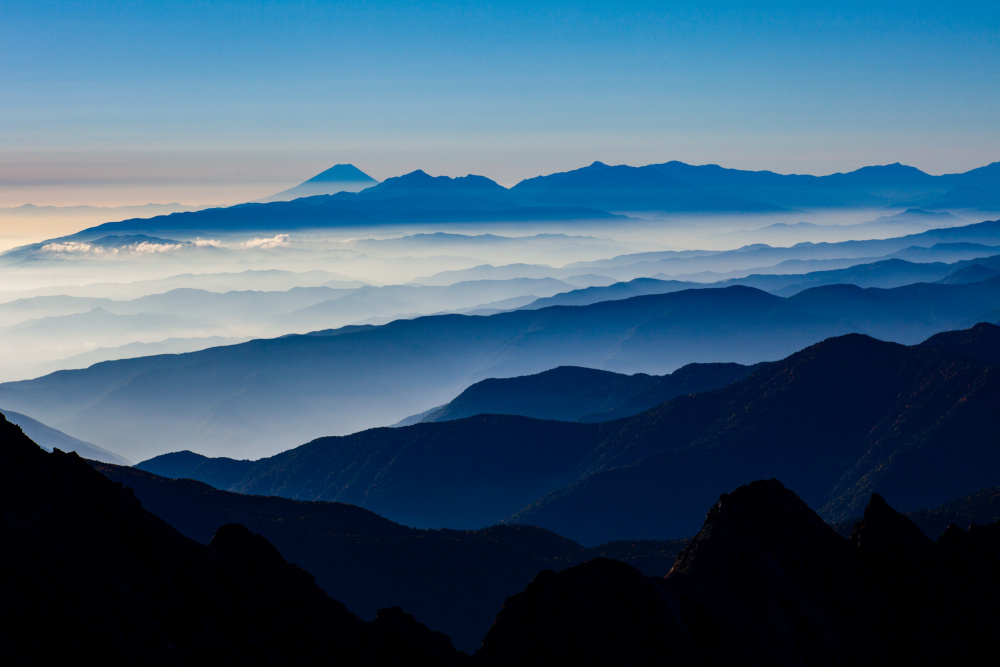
point(222, 400)
point(840, 419)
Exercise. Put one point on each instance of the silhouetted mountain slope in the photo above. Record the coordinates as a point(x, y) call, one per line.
point(571, 393)
point(887, 273)
point(428, 475)
point(767, 582)
point(972, 273)
point(220, 472)
point(981, 341)
point(839, 420)
point(49, 438)
point(753, 257)
point(906, 314)
point(455, 581)
point(622, 290)
point(266, 395)
point(87, 574)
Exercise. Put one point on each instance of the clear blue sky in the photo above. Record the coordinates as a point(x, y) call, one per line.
point(231, 95)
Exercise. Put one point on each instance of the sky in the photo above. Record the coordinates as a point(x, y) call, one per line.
point(114, 103)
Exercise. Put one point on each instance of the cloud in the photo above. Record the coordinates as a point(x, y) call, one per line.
point(73, 247)
point(141, 248)
point(147, 248)
point(278, 241)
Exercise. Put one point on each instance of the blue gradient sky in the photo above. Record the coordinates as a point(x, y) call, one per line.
point(121, 102)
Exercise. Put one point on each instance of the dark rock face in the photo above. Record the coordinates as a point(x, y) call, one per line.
point(85, 572)
point(455, 581)
point(602, 612)
point(767, 582)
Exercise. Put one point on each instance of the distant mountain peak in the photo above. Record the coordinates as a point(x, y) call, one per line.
point(896, 168)
point(342, 173)
point(419, 179)
point(338, 178)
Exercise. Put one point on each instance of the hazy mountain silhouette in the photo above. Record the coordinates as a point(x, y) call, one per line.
point(888, 185)
point(840, 419)
point(966, 197)
point(885, 273)
point(455, 581)
point(571, 393)
point(613, 292)
point(581, 194)
point(88, 574)
point(905, 314)
point(338, 178)
point(767, 582)
point(413, 198)
point(758, 257)
point(265, 395)
point(420, 183)
point(261, 396)
point(973, 272)
point(625, 188)
point(932, 219)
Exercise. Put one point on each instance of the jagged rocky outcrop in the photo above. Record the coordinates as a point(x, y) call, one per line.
point(766, 581)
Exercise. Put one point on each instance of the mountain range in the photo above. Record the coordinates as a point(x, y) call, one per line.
point(587, 193)
point(840, 420)
point(263, 396)
point(568, 426)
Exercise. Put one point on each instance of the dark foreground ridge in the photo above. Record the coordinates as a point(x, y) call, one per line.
point(85, 572)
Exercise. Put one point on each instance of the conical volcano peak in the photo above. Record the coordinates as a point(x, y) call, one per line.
point(342, 173)
point(338, 178)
